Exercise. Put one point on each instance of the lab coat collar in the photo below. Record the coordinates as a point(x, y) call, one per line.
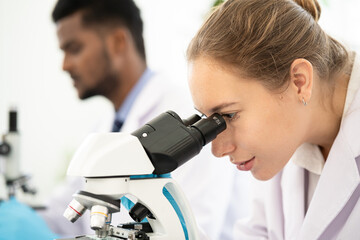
point(309, 156)
point(147, 100)
point(125, 108)
point(327, 201)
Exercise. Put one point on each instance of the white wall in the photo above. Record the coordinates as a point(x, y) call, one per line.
point(52, 120)
point(340, 19)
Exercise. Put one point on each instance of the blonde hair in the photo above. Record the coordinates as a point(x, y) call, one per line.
point(261, 38)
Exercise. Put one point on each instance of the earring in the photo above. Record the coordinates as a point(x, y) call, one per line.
point(304, 102)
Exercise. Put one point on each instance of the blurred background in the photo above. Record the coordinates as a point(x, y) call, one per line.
point(52, 120)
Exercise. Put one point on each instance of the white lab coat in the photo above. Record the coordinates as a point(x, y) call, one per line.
point(215, 189)
point(334, 211)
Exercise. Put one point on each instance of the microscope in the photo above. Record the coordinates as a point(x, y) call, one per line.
point(11, 177)
point(121, 167)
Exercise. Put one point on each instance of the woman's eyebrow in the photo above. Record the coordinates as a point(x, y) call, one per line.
point(217, 108)
point(221, 106)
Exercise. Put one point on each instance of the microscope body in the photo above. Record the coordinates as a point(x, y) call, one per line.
point(11, 177)
point(9, 158)
point(135, 167)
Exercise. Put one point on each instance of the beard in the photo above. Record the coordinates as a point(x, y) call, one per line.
point(107, 81)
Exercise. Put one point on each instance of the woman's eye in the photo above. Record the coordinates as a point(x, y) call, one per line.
point(230, 116)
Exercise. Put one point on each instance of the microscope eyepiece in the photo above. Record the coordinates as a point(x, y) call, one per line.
point(170, 141)
point(13, 115)
point(210, 127)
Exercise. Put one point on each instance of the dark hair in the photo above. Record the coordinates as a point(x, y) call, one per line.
point(120, 12)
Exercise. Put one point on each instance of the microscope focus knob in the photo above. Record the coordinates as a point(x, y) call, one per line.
point(4, 148)
point(138, 212)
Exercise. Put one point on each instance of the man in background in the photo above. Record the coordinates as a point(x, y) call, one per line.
point(104, 54)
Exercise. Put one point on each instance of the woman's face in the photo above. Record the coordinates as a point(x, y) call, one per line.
point(263, 128)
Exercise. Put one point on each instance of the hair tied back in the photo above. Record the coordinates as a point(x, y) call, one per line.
point(311, 6)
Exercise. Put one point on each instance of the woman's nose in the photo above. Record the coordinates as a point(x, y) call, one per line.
point(222, 145)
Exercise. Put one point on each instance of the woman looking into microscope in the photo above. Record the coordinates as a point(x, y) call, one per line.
point(290, 95)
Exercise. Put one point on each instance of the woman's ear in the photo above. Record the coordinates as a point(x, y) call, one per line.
point(301, 79)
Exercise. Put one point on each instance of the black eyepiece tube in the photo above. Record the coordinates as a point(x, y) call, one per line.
point(13, 121)
point(170, 142)
point(191, 120)
point(210, 127)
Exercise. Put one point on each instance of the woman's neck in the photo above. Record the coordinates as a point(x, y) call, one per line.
point(327, 112)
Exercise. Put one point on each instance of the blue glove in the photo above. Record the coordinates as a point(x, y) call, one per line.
point(18, 221)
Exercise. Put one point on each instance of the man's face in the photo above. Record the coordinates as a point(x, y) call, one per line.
point(85, 57)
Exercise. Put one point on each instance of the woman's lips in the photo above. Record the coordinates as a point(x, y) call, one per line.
point(246, 165)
